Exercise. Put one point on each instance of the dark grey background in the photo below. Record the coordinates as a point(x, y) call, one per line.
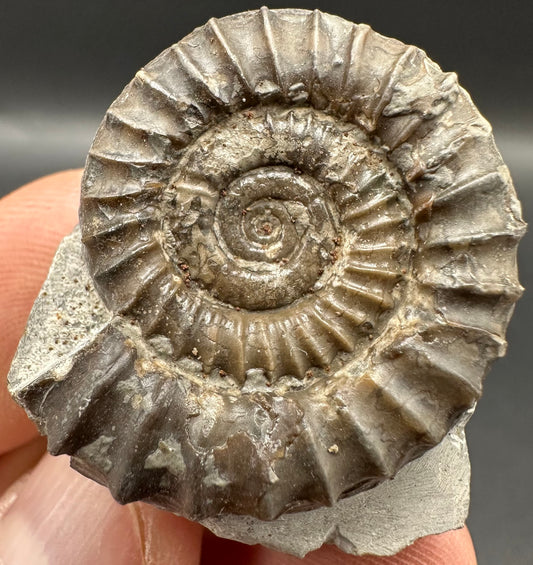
point(63, 63)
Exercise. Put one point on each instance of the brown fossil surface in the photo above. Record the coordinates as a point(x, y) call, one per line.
point(305, 239)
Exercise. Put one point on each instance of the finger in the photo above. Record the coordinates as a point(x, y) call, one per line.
point(58, 516)
point(33, 220)
point(453, 547)
point(19, 461)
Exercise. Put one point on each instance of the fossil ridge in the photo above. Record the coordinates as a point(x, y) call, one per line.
point(304, 242)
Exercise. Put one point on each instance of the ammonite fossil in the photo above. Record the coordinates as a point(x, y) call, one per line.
point(305, 242)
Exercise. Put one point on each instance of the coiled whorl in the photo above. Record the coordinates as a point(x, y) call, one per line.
point(308, 242)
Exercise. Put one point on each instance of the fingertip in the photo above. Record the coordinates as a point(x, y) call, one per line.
point(56, 196)
point(166, 538)
point(19, 461)
point(453, 547)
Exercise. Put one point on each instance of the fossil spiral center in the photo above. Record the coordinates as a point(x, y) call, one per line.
point(264, 226)
point(276, 231)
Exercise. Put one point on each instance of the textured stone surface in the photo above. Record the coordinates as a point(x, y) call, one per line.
point(66, 316)
point(429, 495)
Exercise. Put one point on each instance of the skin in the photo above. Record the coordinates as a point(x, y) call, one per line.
point(49, 514)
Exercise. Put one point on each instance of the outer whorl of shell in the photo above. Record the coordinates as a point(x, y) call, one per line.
point(308, 240)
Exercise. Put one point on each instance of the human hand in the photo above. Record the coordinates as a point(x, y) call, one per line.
point(49, 514)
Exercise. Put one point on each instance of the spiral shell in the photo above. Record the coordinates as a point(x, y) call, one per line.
point(307, 239)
